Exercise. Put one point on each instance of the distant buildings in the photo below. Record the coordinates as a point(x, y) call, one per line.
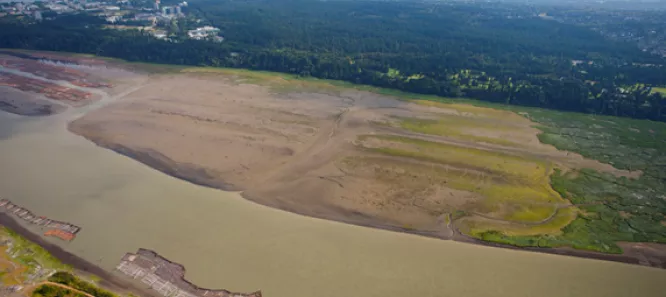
point(203, 33)
point(175, 10)
point(160, 34)
point(113, 19)
point(58, 8)
point(146, 17)
point(119, 13)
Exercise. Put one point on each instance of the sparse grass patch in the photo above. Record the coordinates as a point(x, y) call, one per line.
point(530, 212)
point(483, 160)
point(469, 108)
point(453, 126)
point(30, 254)
point(280, 83)
point(514, 232)
point(660, 90)
point(72, 281)
point(515, 189)
point(10, 273)
point(54, 291)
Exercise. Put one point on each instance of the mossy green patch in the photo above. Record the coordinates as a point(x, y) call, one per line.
point(552, 225)
point(613, 208)
point(454, 127)
point(516, 189)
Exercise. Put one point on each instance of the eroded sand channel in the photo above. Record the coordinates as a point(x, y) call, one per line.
point(226, 241)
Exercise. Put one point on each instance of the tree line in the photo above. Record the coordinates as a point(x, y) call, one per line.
point(491, 52)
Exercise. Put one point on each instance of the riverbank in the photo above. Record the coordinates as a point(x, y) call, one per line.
point(319, 159)
point(634, 253)
point(27, 104)
point(109, 281)
point(226, 241)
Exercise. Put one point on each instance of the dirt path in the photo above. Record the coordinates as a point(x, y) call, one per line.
point(30, 289)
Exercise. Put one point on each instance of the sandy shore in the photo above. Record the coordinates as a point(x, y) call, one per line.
point(291, 151)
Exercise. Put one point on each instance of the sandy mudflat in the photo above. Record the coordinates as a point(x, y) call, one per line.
point(225, 241)
point(30, 85)
point(308, 152)
point(24, 103)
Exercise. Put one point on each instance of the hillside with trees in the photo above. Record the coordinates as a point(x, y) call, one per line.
point(488, 51)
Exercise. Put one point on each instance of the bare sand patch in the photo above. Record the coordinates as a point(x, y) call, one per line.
point(648, 254)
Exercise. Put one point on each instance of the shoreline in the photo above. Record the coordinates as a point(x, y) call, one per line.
point(192, 174)
point(109, 280)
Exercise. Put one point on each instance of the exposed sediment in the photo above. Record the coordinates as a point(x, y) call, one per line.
point(36, 86)
point(27, 104)
point(296, 152)
point(188, 172)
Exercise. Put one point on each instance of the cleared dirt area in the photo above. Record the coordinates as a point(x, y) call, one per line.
point(343, 154)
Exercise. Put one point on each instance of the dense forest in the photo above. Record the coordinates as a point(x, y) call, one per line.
point(492, 52)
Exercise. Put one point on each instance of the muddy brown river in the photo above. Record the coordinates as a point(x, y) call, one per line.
point(227, 242)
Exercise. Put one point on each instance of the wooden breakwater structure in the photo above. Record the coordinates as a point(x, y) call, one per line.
point(59, 229)
point(166, 277)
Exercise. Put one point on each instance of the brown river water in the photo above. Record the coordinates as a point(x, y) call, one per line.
point(227, 242)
